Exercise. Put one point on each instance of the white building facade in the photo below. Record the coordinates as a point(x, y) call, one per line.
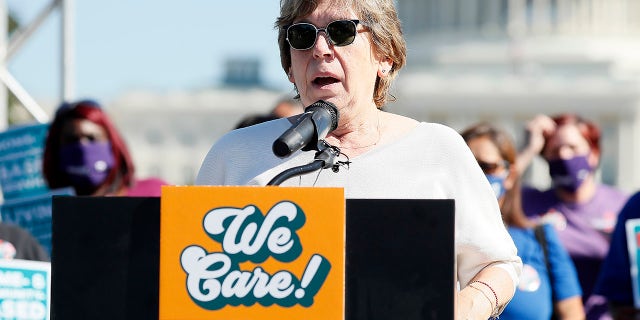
point(169, 134)
point(505, 61)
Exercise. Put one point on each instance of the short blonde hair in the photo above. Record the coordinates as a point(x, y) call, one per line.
point(379, 16)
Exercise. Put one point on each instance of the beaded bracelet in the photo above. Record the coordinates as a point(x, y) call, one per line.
point(495, 310)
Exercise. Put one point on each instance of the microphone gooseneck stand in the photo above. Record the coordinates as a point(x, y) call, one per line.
point(325, 158)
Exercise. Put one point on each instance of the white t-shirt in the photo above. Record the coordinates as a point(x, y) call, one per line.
point(431, 162)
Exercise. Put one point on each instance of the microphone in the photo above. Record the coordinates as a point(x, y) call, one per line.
point(314, 124)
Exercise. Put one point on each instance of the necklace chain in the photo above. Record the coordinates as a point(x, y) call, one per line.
point(372, 144)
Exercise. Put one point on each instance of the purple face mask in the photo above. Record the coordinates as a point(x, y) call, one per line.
point(87, 165)
point(569, 174)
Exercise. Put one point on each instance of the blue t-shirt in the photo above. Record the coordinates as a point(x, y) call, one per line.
point(614, 281)
point(532, 300)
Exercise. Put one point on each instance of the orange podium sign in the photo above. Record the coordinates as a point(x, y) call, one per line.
point(252, 253)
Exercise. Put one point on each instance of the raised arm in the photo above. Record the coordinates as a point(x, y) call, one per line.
point(536, 129)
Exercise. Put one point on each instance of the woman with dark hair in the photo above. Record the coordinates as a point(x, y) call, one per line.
point(582, 210)
point(548, 283)
point(84, 150)
point(17, 242)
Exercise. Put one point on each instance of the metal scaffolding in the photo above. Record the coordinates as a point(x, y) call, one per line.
point(9, 47)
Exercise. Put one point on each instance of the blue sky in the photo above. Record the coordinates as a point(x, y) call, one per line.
point(159, 45)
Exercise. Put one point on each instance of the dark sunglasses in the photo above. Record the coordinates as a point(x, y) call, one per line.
point(490, 168)
point(303, 35)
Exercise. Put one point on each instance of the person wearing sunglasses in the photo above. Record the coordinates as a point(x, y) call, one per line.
point(348, 53)
point(85, 151)
point(582, 210)
point(547, 284)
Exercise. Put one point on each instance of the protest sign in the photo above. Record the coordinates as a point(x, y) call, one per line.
point(25, 288)
point(252, 253)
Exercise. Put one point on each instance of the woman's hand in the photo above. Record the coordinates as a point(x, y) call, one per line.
point(537, 128)
point(472, 305)
point(487, 293)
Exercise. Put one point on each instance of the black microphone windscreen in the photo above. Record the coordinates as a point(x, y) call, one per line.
point(314, 124)
point(330, 107)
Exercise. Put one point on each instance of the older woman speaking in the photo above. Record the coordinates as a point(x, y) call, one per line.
point(347, 53)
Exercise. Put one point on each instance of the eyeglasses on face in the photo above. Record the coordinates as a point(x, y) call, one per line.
point(303, 35)
point(492, 168)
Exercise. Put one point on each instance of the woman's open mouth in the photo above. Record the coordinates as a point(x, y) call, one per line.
point(324, 81)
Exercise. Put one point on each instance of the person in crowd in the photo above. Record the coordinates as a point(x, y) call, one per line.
point(85, 151)
point(582, 210)
point(254, 118)
point(549, 281)
point(287, 107)
point(347, 53)
point(615, 281)
point(284, 108)
point(18, 243)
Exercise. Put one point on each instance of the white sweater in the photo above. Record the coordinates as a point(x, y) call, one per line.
point(430, 162)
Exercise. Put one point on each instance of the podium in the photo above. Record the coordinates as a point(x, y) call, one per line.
point(398, 260)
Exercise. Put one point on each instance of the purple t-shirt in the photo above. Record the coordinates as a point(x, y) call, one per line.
point(583, 228)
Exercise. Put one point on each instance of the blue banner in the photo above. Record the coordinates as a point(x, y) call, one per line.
point(21, 150)
point(33, 214)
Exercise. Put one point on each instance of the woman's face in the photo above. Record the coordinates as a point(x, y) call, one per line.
point(494, 166)
point(488, 156)
point(566, 143)
point(82, 131)
point(343, 75)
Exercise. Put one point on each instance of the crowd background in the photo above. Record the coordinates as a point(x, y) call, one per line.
point(501, 62)
point(496, 62)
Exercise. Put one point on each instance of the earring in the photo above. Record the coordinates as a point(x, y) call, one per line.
point(384, 71)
